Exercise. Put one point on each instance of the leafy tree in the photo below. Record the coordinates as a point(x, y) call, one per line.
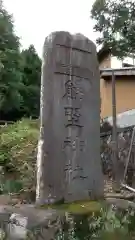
point(10, 74)
point(31, 68)
point(19, 73)
point(115, 21)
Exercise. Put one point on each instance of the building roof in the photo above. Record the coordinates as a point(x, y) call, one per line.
point(124, 119)
point(127, 71)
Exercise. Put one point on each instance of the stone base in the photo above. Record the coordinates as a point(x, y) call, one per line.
point(26, 220)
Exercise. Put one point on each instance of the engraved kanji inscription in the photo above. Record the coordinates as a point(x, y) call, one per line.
point(78, 168)
point(87, 51)
point(67, 142)
point(68, 170)
point(73, 174)
point(72, 91)
point(68, 167)
point(73, 116)
point(78, 173)
point(73, 144)
point(76, 71)
point(79, 177)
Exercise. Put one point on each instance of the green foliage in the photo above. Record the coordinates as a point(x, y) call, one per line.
point(10, 74)
point(11, 186)
point(106, 224)
point(115, 21)
point(19, 74)
point(18, 149)
point(31, 66)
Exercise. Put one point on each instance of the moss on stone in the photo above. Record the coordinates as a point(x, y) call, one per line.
point(77, 207)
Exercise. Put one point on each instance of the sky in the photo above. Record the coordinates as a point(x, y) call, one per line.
point(34, 20)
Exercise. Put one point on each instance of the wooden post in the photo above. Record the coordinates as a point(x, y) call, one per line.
point(114, 133)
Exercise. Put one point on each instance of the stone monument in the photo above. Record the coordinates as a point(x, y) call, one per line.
point(68, 162)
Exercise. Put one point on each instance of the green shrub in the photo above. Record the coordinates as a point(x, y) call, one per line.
point(108, 224)
point(18, 150)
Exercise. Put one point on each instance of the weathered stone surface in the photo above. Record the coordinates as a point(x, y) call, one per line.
point(18, 222)
point(68, 163)
point(120, 203)
point(124, 195)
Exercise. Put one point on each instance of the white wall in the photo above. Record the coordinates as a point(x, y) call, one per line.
point(128, 60)
point(117, 63)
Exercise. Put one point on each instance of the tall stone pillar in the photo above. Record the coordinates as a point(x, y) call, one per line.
point(68, 163)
